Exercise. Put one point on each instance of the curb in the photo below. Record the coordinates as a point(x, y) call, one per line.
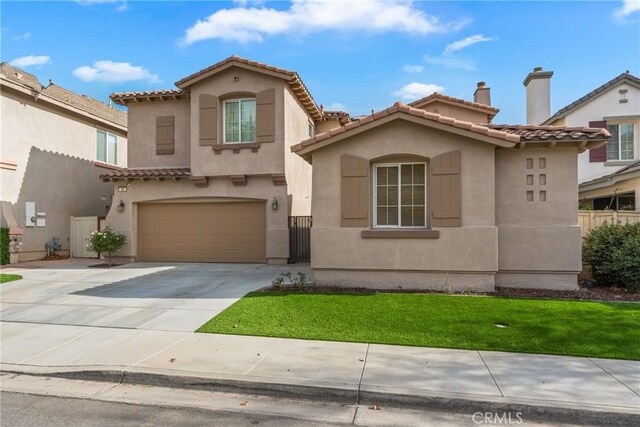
point(528, 410)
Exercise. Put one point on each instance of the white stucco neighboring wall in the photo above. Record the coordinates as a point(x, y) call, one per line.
point(54, 151)
point(607, 106)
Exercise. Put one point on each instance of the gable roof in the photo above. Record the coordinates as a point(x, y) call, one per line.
point(506, 136)
point(435, 96)
point(613, 177)
point(122, 98)
point(65, 96)
point(624, 77)
point(291, 77)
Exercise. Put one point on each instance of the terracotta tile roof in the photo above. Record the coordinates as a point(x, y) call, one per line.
point(122, 97)
point(624, 77)
point(633, 167)
point(398, 107)
point(293, 80)
point(492, 111)
point(81, 102)
point(531, 133)
point(146, 173)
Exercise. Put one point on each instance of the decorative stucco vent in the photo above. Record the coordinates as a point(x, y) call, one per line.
point(534, 186)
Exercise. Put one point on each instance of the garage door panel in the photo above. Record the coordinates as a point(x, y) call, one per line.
point(202, 232)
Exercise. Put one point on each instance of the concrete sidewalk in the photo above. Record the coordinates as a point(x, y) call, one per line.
point(350, 372)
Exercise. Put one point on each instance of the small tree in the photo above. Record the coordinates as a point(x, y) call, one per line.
point(107, 242)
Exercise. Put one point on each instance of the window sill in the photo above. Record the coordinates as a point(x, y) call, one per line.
point(236, 147)
point(619, 162)
point(414, 233)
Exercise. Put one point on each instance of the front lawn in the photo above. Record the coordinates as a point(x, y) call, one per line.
point(576, 328)
point(9, 277)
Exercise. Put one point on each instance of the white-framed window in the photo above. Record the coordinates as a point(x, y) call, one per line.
point(620, 146)
point(311, 130)
point(400, 195)
point(239, 120)
point(106, 147)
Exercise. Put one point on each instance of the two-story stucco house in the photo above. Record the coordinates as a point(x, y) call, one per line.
point(609, 176)
point(430, 195)
point(55, 145)
point(211, 177)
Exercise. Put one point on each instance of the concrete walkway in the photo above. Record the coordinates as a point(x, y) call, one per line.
point(322, 369)
point(153, 296)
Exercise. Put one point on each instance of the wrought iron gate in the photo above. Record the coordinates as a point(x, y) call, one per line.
point(299, 238)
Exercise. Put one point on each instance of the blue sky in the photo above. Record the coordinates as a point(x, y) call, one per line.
point(359, 55)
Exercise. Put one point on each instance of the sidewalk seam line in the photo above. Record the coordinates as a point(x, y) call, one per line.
point(364, 365)
point(263, 357)
point(490, 373)
point(613, 376)
point(55, 347)
point(156, 353)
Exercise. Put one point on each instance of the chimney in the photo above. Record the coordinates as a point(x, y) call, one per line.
point(538, 84)
point(482, 95)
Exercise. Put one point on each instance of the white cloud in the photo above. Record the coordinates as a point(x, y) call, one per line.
point(449, 62)
point(31, 60)
point(466, 42)
point(23, 36)
point(415, 90)
point(252, 24)
point(408, 68)
point(336, 106)
point(628, 7)
point(114, 72)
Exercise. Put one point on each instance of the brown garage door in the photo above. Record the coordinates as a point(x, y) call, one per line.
point(202, 232)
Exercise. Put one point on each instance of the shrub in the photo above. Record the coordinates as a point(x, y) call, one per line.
point(613, 251)
point(4, 246)
point(106, 242)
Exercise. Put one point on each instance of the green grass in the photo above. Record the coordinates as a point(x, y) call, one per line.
point(576, 328)
point(4, 278)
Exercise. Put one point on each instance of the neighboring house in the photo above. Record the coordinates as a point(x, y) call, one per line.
point(409, 197)
point(55, 145)
point(211, 177)
point(609, 176)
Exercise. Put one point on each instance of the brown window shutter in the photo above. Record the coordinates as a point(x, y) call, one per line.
point(266, 116)
point(355, 191)
point(598, 155)
point(164, 135)
point(445, 190)
point(208, 119)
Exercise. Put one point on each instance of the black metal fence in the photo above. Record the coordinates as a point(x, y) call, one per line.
point(299, 238)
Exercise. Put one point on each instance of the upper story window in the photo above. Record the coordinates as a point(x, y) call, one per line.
point(400, 197)
point(310, 130)
point(106, 147)
point(240, 120)
point(620, 146)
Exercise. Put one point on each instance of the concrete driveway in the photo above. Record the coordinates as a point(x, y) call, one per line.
point(152, 296)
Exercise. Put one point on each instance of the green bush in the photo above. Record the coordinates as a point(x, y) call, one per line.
point(106, 242)
point(4, 246)
point(613, 251)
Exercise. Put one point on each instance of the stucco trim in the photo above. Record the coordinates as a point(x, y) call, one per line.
point(219, 148)
point(279, 179)
point(414, 233)
point(239, 180)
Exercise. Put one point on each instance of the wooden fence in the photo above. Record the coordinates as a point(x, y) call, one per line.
point(592, 219)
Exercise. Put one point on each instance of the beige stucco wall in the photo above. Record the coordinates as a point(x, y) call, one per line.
point(297, 170)
point(142, 133)
point(607, 105)
point(269, 159)
point(219, 189)
point(54, 151)
point(468, 249)
point(538, 236)
point(458, 112)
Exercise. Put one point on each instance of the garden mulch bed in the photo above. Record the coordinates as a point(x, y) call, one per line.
point(584, 293)
point(103, 265)
point(55, 257)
